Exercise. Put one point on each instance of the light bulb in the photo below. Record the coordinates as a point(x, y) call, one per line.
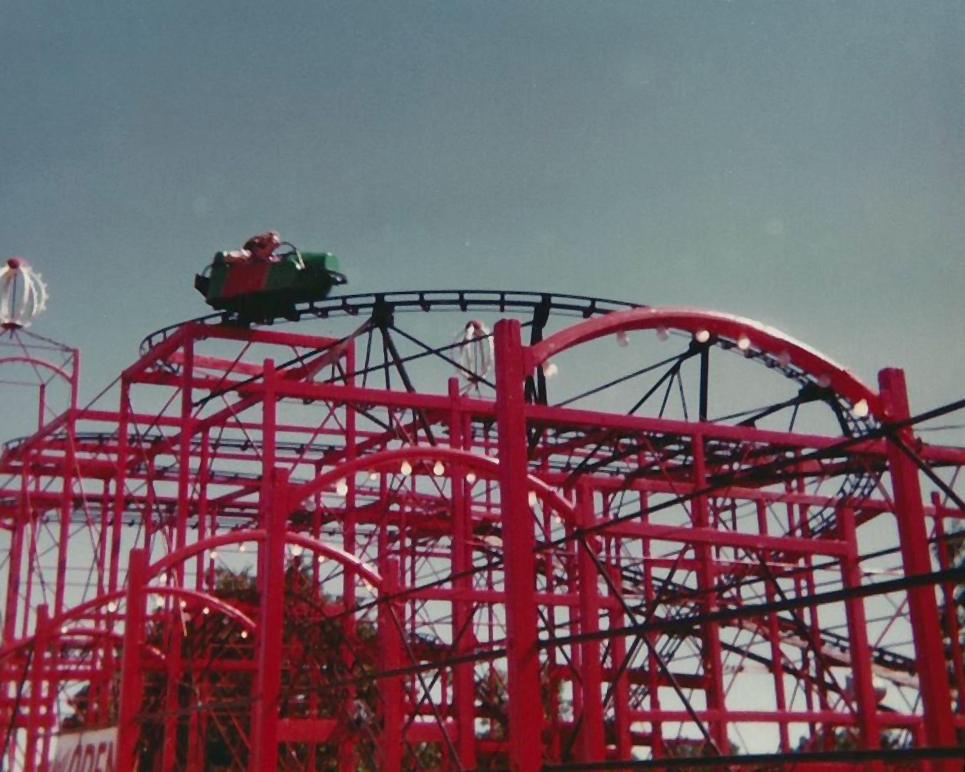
point(623, 340)
point(184, 604)
point(206, 611)
point(406, 468)
point(702, 336)
point(112, 607)
point(860, 409)
point(662, 333)
point(296, 550)
point(373, 475)
point(550, 369)
point(824, 381)
point(532, 498)
point(244, 633)
point(743, 342)
point(784, 358)
point(321, 559)
point(341, 487)
point(243, 548)
point(470, 477)
point(214, 554)
point(438, 468)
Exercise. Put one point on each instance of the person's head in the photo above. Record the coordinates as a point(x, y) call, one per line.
point(263, 245)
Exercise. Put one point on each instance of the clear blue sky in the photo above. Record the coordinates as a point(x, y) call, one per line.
point(796, 162)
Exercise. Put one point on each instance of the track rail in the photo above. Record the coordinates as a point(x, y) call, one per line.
point(463, 300)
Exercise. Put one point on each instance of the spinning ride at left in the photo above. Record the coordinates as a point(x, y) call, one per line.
point(23, 294)
point(30, 363)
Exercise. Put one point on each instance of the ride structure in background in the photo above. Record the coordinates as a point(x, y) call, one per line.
point(358, 545)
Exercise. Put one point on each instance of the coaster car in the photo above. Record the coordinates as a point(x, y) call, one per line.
point(262, 288)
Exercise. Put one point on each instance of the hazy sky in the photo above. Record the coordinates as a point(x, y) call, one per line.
point(796, 162)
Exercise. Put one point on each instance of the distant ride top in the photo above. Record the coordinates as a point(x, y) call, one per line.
point(266, 278)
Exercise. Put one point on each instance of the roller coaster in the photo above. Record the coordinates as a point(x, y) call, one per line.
point(330, 536)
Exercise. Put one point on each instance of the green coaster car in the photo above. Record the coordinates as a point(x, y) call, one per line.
point(262, 290)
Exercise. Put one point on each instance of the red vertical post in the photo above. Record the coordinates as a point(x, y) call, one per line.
point(707, 579)
point(390, 623)
point(463, 677)
point(14, 569)
point(525, 705)
point(591, 730)
point(916, 560)
point(66, 507)
point(774, 640)
point(264, 720)
point(621, 703)
point(37, 674)
point(347, 752)
point(185, 430)
point(197, 722)
point(120, 483)
point(130, 701)
point(858, 641)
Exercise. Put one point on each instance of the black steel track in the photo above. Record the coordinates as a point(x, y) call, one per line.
point(512, 301)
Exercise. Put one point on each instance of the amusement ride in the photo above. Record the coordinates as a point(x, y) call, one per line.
point(471, 530)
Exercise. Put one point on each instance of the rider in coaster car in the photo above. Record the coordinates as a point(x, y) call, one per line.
point(262, 246)
point(257, 249)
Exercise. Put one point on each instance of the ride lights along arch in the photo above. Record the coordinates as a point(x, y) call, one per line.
point(360, 547)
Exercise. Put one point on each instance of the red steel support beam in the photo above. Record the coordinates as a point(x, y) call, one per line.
point(860, 653)
point(264, 719)
point(591, 730)
point(706, 579)
point(130, 700)
point(913, 535)
point(390, 623)
point(462, 616)
point(525, 711)
point(37, 675)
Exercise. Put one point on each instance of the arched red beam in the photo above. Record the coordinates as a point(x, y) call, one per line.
point(38, 363)
point(258, 535)
point(78, 612)
point(207, 600)
point(93, 632)
point(73, 632)
point(727, 326)
point(416, 453)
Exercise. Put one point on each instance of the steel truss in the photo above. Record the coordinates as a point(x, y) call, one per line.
point(701, 544)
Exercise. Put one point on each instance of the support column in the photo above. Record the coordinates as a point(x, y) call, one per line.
point(858, 641)
point(390, 623)
point(707, 579)
point(271, 584)
point(464, 687)
point(916, 560)
point(131, 682)
point(591, 731)
point(525, 705)
point(37, 674)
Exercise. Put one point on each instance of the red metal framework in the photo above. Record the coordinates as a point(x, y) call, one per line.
point(654, 538)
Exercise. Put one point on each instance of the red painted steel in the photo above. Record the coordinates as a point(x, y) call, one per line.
point(281, 550)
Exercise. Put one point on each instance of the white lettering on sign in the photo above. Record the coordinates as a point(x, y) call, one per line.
point(86, 751)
